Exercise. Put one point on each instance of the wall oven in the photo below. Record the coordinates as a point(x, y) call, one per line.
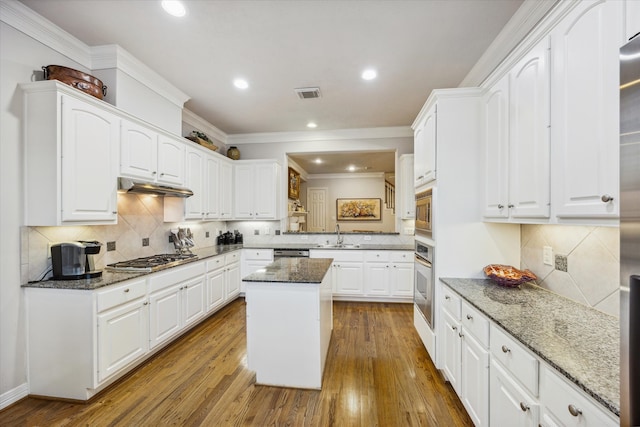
point(424, 210)
point(424, 289)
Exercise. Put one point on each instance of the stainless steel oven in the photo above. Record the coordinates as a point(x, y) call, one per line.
point(424, 210)
point(424, 290)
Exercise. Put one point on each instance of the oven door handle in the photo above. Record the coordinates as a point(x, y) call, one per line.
point(422, 261)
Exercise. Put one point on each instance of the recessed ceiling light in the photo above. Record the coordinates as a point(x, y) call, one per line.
point(241, 83)
point(317, 161)
point(312, 125)
point(174, 8)
point(369, 74)
point(351, 168)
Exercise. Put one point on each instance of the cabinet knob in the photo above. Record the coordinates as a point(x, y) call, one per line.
point(524, 407)
point(574, 411)
point(455, 328)
point(500, 206)
point(154, 172)
point(386, 266)
point(114, 212)
point(606, 198)
point(505, 349)
point(469, 317)
point(126, 290)
point(447, 297)
point(511, 206)
point(162, 174)
point(460, 334)
point(145, 303)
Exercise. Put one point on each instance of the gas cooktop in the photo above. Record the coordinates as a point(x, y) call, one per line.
point(152, 263)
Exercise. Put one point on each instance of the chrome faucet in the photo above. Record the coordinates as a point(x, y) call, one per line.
point(340, 238)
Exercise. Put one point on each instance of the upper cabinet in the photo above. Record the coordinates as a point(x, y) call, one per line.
point(585, 115)
point(71, 154)
point(258, 183)
point(529, 134)
point(407, 197)
point(425, 147)
point(149, 155)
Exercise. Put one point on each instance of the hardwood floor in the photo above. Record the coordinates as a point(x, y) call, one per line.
point(377, 374)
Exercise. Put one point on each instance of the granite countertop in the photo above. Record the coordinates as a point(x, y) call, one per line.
point(306, 246)
point(110, 277)
point(292, 270)
point(582, 343)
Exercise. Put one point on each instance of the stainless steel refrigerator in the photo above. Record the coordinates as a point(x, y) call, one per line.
point(630, 233)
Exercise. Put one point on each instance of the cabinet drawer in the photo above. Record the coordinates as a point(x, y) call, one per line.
point(569, 406)
point(215, 263)
point(451, 302)
point(235, 257)
point(401, 256)
point(518, 361)
point(475, 323)
point(382, 256)
point(264, 254)
point(119, 294)
point(176, 275)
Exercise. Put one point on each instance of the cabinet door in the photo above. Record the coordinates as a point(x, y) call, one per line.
point(407, 194)
point(430, 145)
point(171, 154)
point(194, 205)
point(496, 150)
point(90, 147)
point(193, 296)
point(402, 279)
point(377, 277)
point(215, 289)
point(244, 185)
point(211, 187)
point(529, 134)
point(226, 190)
point(232, 281)
point(509, 405)
point(451, 349)
point(474, 380)
point(138, 151)
point(348, 278)
point(165, 314)
point(419, 152)
point(586, 115)
point(266, 185)
point(123, 336)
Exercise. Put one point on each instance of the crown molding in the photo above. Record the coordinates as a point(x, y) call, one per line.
point(519, 26)
point(114, 56)
point(325, 135)
point(350, 175)
point(202, 125)
point(457, 93)
point(25, 20)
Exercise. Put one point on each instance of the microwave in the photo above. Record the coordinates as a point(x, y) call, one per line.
point(424, 211)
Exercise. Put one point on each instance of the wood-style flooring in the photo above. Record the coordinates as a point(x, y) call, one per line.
point(377, 374)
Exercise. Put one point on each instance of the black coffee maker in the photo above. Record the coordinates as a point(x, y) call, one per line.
point(74, 260)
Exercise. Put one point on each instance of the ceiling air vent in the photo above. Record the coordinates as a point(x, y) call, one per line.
point(308, 92)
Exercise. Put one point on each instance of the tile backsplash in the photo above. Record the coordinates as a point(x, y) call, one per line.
point(590, 255)
point(139, 217)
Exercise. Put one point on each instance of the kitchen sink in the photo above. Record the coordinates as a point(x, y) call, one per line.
point(339, 246)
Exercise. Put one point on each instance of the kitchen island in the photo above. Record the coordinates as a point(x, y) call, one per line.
point(289, 321)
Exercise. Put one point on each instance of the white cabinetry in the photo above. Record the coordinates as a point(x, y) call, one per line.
point(632, 17)
point(225, 198)
point(150, 155)
point(425, 138)
point(71, 157)
point(510, 405)
point(529, 134)
point(388, 273)
point(347, 271)
point(407, 193)
point(585, 99)
point(253, 260)
point(258, 183)
point(223, 280)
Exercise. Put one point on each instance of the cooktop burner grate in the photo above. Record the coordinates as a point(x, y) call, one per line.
point(152, 263)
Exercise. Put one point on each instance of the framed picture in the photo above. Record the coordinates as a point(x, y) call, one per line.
point(294, 184)
point(359, 209)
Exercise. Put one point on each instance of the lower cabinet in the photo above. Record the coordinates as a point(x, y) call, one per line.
point(253, 260)
point(510, 405)
point(223, 280)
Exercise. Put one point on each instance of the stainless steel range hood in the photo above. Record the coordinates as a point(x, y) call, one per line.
point(135, 186)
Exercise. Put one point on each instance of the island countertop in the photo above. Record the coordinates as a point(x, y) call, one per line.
point(292, 270)
point(579, 342)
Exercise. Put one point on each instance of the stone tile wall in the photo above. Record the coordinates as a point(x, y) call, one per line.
point(593, 262)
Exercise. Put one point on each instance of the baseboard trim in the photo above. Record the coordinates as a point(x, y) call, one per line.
point(12, 396)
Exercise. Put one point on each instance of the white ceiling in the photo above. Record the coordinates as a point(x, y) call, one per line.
point(416, 46)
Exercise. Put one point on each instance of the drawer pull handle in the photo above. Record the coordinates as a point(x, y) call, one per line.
point(455, 328)
point(126, 290)
point(511, 206)
point(574, 411)
point(447, 297)
point(606, 198)
point(505, 349)
point(469, 317)
point(524, 407)
point(460, 334)
point(500, 206)
point(145, 303)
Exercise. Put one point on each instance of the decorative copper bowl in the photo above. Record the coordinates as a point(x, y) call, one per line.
point(82, 81)
point(508, 276)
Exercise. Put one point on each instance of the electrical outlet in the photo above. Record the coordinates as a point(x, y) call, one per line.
point(206, 234)
point(49, 250)
point(547, 255)
point(170, 239)
point(267, 231)
point(111, 246)
point(256, 232)
point(145, 241)
point(277, 232)
point(561, 263)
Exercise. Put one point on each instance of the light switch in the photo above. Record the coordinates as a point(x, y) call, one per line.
point(547, 255)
